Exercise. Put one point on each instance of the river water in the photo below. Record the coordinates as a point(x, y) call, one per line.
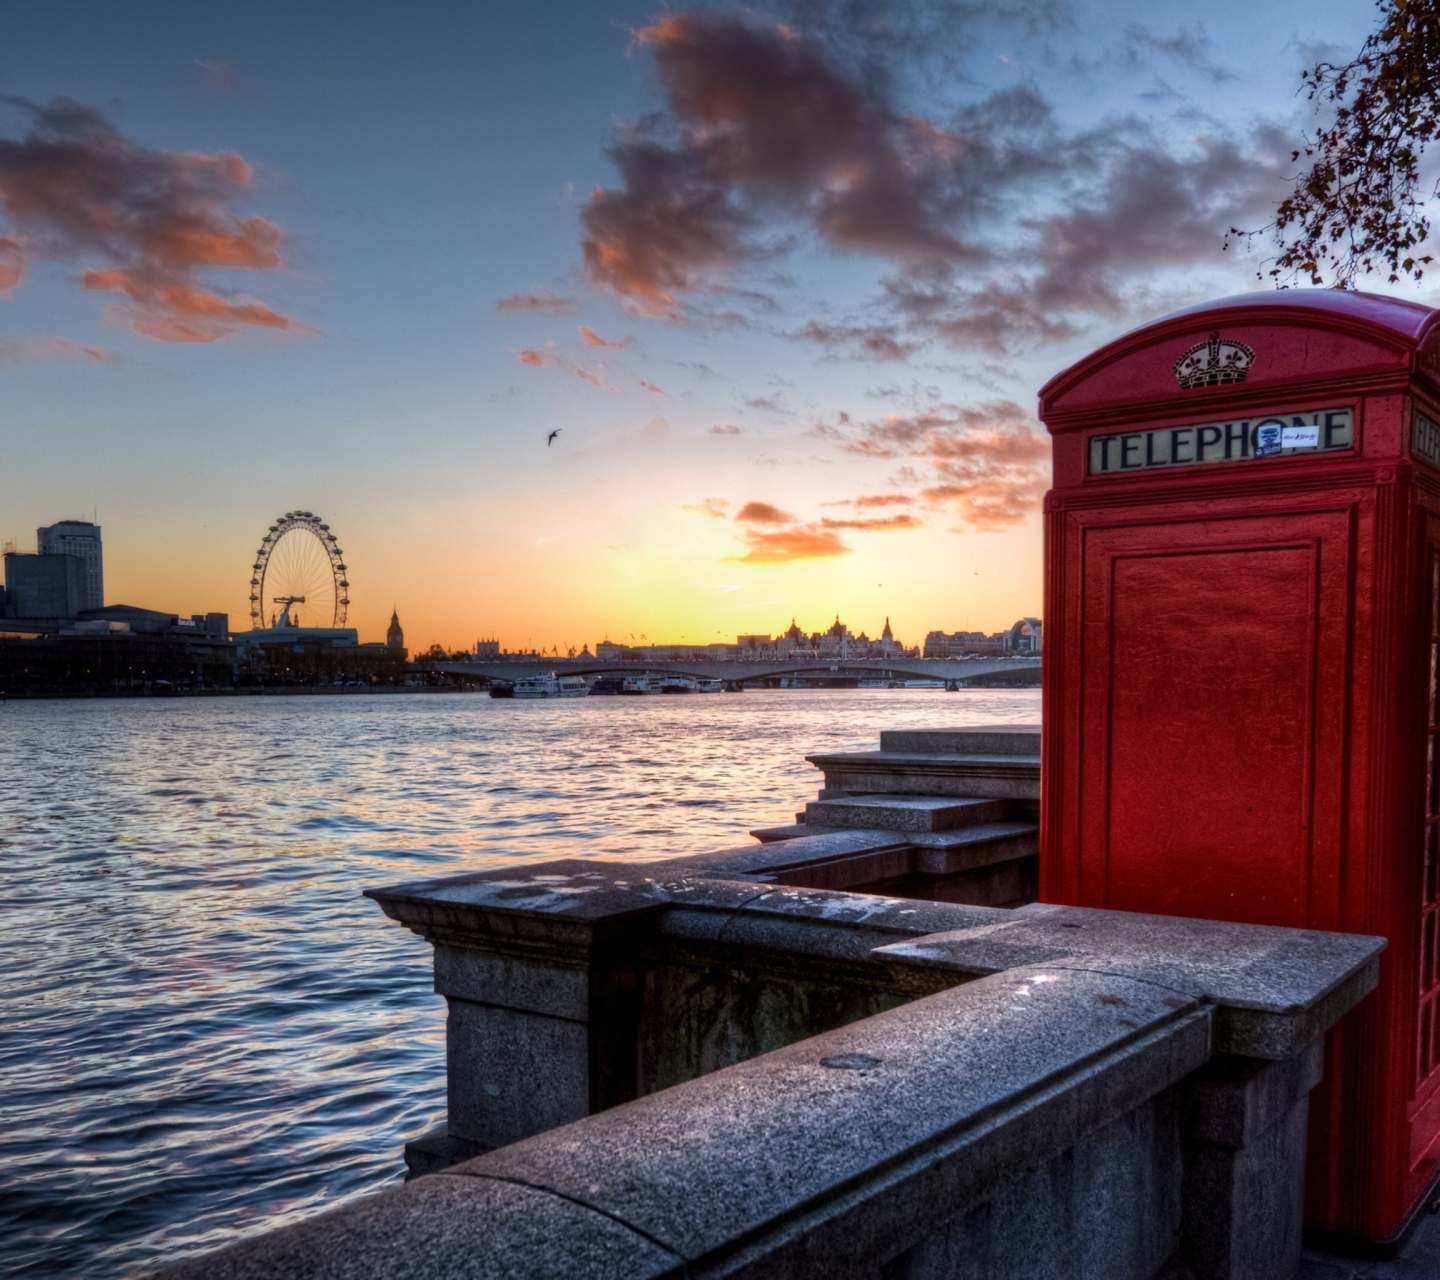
point(205, 1030)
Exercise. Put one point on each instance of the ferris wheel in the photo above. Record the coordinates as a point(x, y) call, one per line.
point(301, 567)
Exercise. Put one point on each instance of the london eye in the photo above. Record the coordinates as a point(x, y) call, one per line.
point(300, 568)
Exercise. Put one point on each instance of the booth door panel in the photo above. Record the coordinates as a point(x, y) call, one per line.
point(1211, 780)
point(1425, 1103)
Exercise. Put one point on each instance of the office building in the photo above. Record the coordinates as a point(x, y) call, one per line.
point(78, 538)
point(44, 586)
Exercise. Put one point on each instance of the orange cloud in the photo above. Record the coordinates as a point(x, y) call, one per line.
point(592, 339)
point(24, 350)
point(181, 313)
point(870, 500)
point(879, 524)
point(539, 302)
point(76, 186)
point(715, 507)
point(989, 503)
point(539, 358)
point(785, 546)
point(763, 513)
point(12, 264)
point(650, 386)
point(988, 461)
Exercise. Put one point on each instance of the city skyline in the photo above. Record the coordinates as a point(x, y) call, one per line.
point(83, 538)
point(791, 356)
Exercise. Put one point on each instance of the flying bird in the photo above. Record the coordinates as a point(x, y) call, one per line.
point(551, 438)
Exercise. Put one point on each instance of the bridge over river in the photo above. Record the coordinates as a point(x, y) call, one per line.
point(955, 672)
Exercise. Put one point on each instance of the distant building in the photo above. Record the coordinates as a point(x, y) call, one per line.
point(837, 641)
point(889, 646)
point(952, 644)
point(485, 648)
point(1024, 637)
point(129, 617)
point(395, 637)
point(301, 639)
point(45, 586)
point(78, 538)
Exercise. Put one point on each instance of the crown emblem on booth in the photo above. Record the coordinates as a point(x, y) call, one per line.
point(1214, 363)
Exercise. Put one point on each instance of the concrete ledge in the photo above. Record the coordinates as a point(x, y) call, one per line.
point(903, 813)
point(977, 740)
point(842, 860)
point(1013, 777)
point(825, 1159)
point(444, 1229)
point(1276, 990)
point(835, 1154)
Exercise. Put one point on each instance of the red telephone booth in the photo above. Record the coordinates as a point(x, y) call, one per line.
point(1242, 640)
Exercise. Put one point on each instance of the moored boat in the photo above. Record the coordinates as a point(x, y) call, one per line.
point(635, 684)
point(571, 687)
point(537, 687)
point(709, 686)
point(607, 685)
point(677, 684)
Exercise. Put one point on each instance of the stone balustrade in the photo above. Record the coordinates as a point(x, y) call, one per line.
point(734, 1064)
point(719, 1077)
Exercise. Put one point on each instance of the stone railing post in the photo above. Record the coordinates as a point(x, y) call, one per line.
point(1245, 1124)
point(1274, 993)
point(541, 974)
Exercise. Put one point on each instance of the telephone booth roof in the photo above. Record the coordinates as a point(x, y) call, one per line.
point(1305, 337)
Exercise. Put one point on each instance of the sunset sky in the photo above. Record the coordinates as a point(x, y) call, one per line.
point(786, 278)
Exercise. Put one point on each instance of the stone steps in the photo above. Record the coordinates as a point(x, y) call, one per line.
point(932, 853)
point(996, 762)
point(850, 857)
point(908, 813)
point(1004, 777)
point(935, 814)
point(991, 740)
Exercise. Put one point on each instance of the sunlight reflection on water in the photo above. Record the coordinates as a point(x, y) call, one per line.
point(207, 1031)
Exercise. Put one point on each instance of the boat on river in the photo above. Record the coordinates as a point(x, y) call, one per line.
point(635, 685)
point(546, 686)
point(571, 687)
point(677, 684)
point(709, 686)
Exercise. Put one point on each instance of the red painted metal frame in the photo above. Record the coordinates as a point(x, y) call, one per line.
point(1240, 712)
